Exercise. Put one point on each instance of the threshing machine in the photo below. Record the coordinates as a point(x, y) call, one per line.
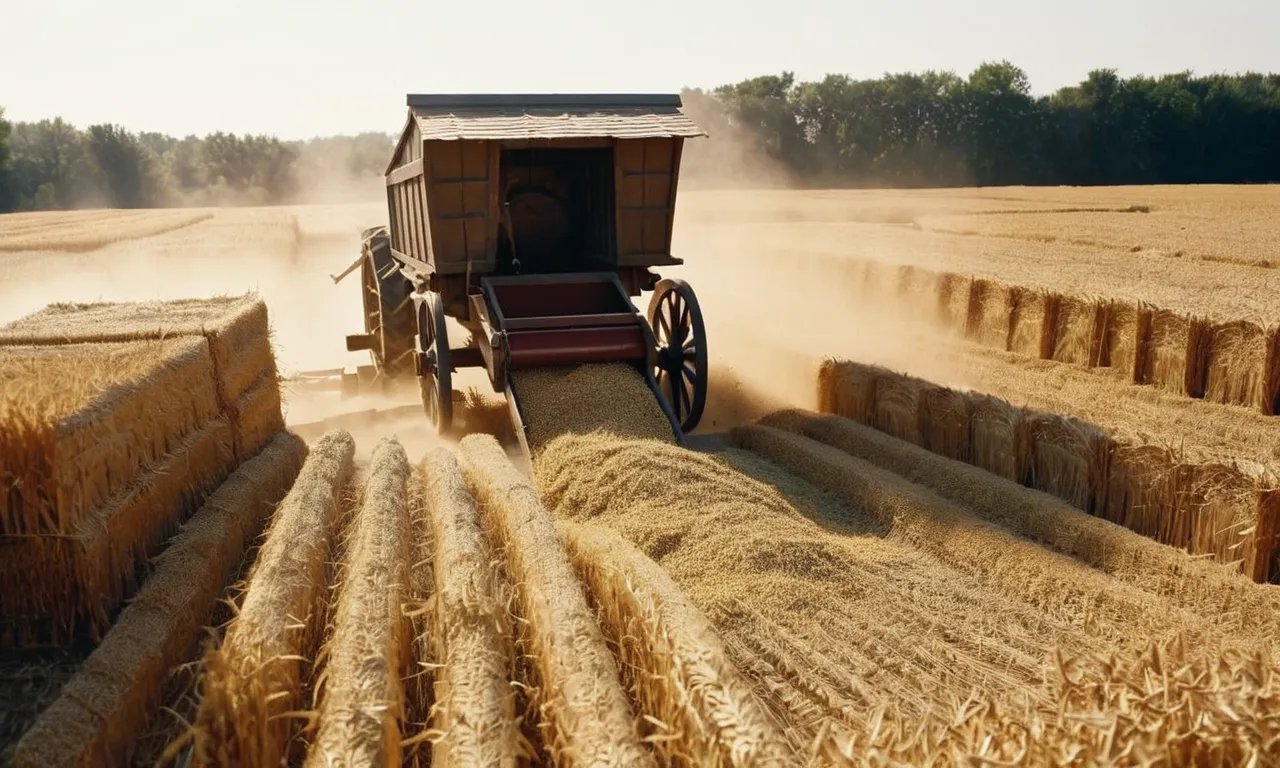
point(533, 220)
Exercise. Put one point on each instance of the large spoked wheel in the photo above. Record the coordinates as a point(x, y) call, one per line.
point(388, 309)
point(436, 377)
point(681, 337)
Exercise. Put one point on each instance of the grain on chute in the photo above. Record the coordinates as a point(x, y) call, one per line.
point(584, 398)
point(469, 633)
point(107, 704)
point(586, 715)
point(1195, 584)
point(672, 659)
point(366, 658)
point(253, 680)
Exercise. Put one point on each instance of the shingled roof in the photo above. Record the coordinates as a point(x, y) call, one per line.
point(445, 117)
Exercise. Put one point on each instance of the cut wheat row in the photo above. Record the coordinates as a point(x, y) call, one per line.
point(586, 714)
point(255, 678)
point(701, 710)
point(360, 689)
point(469, 634)
point(107, 704)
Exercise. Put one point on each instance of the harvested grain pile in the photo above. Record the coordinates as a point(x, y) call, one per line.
point(584, 398)
point(1031, 316)
point(866, 643)
point(1236, 603)
point(469, 633)
point(829, 619)
point(107, 704)
point(1069, 459)
point(586, 716)
point(256, 675)
point(1123, 347)
point(361, 697)
point(1174, 353)
point(235, 327)
point(1078, 331)
point(702, 712)
point(60, 589)
point(79, 422)
point(1058, 585)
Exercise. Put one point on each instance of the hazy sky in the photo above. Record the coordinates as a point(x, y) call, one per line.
point(301, 69)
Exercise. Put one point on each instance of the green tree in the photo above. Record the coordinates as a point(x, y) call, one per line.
point(123, 163)
point(6, 165)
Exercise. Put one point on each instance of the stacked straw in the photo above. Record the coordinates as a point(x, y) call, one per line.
point(1228, 512)
point(255, 678)
point(360, 694)
point(115, 421)
point(587, 719)
point(106, 705)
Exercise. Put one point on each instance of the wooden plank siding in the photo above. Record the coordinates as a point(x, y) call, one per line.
point(645, 172)
point(461, 200)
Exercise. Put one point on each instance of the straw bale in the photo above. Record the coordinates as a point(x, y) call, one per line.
point(584, 398)
point(256, 675)
point(848, 389)
point(701, 711)
point(1057, 584)
point(897, 406)
point(62, 589)
point(586, 714)
point(1217, 515)
point(1125, 346)
point(953, 301)
point(1240, 606)
point(1236, 364)
point(95, 724)
point(79, 422)
point(360, 694)
point(236, 329)
point(1032, 315)
point(1141, 487)
point(257, 415)
point(999, 438)
point(470, 635)
point(1069, 459)
point(989, 319)
point(1174, 354)
point(1271, 375)
point(945, 422)
point(1078, 331)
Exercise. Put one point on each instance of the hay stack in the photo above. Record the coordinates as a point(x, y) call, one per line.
point(989, 318)
point(999, 437)
point(361, 697)
point(255, 677)
point(700, 709)
point(236, 329)
point(1125, 345)
point(1236, 358)
point(1069, 459)
point(64, 588)
point(848, 389)
point(897, 406)
point(945, 419)
point(1032, 315)
point(953, 301)
point(1174, 352)
point(584, 398)
point(1141, 487)
point(103, 709)
point(79, 422)
point(469, 635)
point(587, 719)
point(1078, 331)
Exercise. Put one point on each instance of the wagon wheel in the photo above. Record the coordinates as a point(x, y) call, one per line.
point(436, 378)
point(388, 310)
point(681, 337)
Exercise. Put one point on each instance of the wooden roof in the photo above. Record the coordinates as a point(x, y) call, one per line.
point(448, 117)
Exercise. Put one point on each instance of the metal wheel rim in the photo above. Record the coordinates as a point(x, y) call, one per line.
point(676, 320)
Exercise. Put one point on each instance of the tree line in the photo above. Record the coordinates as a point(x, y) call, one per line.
point(938, 129)
point(907, 129)
point(51, 165)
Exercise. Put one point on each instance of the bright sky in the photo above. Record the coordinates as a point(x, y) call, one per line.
point(299, 69)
